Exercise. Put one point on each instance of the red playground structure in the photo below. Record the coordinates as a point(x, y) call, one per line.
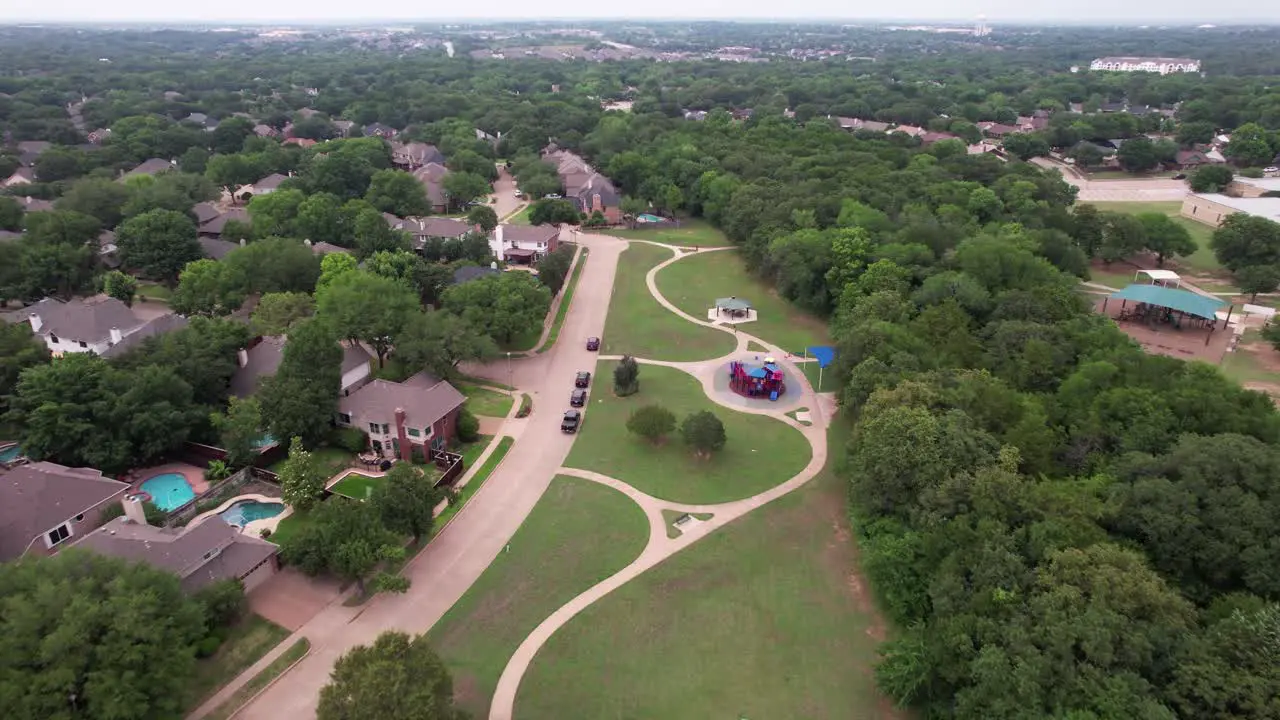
point(757, 382)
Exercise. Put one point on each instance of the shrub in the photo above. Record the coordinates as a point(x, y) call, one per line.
point(208, 645)
point(652, 422)
point(468, 426)
point(526, 406)
point(704, 432)
point(350, 439)
point(223, 602)
point(216, 471)
point(626, 377)
point(1251, 172)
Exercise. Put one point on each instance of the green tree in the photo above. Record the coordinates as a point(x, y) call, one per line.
point(275, 213)
point(209, 287)
point(96, 197)
point(203, 354)
point(274, 265)
point(626, 377)
point(483, 216)
point(372, 235)
point(1025, 146)
point(1210, 178)
point(652, 422)
point(553, 268)
point(58, 163)
point(1256, 279)
point(1086, 154)
point(301, 398)
point(398, 193)
point(10, 214)
point(302, 477)
point(19, 350)
point(406, 501)
point(61, 227)
point(1138, 154)
point(124, 634)
point(397, 676)
point(1122, 236)
point(367, 307)
point(346, 539)
point(1165, 237)
point(239, 430)
point(438, 341)
point(1245, 240)
point(170, 191)
point(1195, 133)
point(504, 306)
point(703, 432)
point(334, 265)
point(461, 188)
point(277, 312)
point(120, 286)
point(553, 212)
point(158, 243)
point(320, 218)
point(1249, 146)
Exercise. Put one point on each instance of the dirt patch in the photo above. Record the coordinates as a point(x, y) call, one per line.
point(1266, 356)
point(840, 556)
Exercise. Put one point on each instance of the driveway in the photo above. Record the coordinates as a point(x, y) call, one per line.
point(290, 599)
point(455, 559)
point(504, 189)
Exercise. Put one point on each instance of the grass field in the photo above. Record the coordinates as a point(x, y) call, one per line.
point(261, 680)
point(639, 326)
point(565, 301)
point(357, 486)
point(1115, 277)
point(477, 480)
point(1201, 260)
point(694, 283)
point(483, 401)
point(765, 618)
point(578, 534)
point(1243, 366)
point(520, 218)
point(829, 377)
point(697, 232)
point(151, 291)
point(246, 642)
point(760, 452)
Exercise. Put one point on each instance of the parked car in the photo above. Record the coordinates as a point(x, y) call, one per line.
point(1180, 176)
point(583, 379)
point(572, 419)
point(593, 343)
point(578, 398)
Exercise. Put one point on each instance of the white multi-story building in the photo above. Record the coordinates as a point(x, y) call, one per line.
point(1161, 65)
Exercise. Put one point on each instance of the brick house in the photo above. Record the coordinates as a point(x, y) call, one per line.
point(43, 505)
point(417, 416)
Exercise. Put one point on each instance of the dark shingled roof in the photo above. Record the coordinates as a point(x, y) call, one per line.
point(88, 319)
point(38, 497)
point(263, 361)
point(467, 273)
point(156, 326)
point(150, 167)
point(216, 248)
point(215, 226)
point(424, 398)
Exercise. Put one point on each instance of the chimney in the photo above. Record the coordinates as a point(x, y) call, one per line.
point(116, 337)
point(497, 234)
point(406, 450)
point(36, 322)
point(133, 509)
point(242, 357)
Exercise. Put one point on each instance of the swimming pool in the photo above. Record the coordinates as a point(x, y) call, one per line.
point(10, 454)
point(647, 218)
point(246, 511)
point(169, 491)
point(265, 441)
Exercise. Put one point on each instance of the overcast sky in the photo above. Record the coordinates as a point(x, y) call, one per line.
point(1153, 12)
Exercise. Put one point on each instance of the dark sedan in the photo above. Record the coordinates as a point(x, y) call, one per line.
point(578, 398)
point(572, 419)
point(593, 343)
point(583, 379)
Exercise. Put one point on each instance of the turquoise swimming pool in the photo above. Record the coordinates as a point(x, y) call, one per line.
point(246, 511)
point(647, 218)
point(267, 440)
point(169, 491)
point(10, 454)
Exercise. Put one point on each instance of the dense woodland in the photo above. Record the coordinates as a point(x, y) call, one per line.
point(1079, 531)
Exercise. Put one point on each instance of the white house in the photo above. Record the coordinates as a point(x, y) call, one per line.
point(82, 325)
point(524, 244)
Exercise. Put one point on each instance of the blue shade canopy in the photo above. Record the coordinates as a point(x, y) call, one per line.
point(1181, 300)
point(824, 354)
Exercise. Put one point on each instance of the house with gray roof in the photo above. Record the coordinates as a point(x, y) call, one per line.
point(584, 186)
point(82, 324)
point(417, 416)
point(263, 356)
point(524, 244)
point(325, 248)
point(467, 273)
point(415, 154)
point(200, 554)
point(43, 505)
point(426, 229)
point(30, 204)
point(205, 212)
point(432, 176)
point(214, 227)
point(215, 248)
point(154, 328)
point(154, 166)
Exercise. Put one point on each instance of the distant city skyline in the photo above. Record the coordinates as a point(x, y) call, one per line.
point(1082, 12)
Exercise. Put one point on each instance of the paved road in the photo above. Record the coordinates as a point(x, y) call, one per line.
point(1145, 190)
point(457, 557)
point(504, 189)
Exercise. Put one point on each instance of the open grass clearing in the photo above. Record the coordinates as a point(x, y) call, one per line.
point(1203, 259)
point(565, 300)
point(760, 452)
point(828, 376)
point(237, 700)
point(246, 642)
point(520, 218)
point(1253, 361)
point(484, 401)
point(639, 326)
point(477, 481)
point(691, 233)
point(578, 534)
point(357, 486)
point(765, 618)
point(694, 283)
point(154, 292)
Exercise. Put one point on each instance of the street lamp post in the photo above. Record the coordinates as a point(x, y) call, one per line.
point(510, 375)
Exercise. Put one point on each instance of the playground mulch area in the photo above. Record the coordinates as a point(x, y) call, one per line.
point(725, 393)
point(768, 617)
point(639, 326)
point(760, 452)
point(1186, 344)
point(579, 533)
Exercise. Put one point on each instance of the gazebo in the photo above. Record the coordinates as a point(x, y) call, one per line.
point(1166, 278)
point(734, 307)
point(1156, 304)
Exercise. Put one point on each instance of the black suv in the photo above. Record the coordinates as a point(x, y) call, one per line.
point(593, 343)
point(578, 398)
point(583, 379)
point(572, 418)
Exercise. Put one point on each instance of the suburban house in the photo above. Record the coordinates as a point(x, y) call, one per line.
point(300, 142)
point(205, 212)
point(1252, 187)
point(997, 130)
point(43, 505)
point(856, 124)
point(158, 326)
point(262, 358)
point(415, 154)
point(97, 137)
point(379, 130)
point(325, 248)
point(154, 166)
point(30, 204)
point(9, 235)
point(467, 273)
point(587, 189)
point(1188, 159)
point(216, 248)
point(431, 175)
point(200, 554)
point(427, 229)
point(108, 252)
point(930, 138)
point(910, 130)
point(344, 126)
point(265, 131)
point(92, 324)
point(213, 228)
point(264, 186)
point(420, 413)
point(21, 176)
point(524, 244)
point(202, 120)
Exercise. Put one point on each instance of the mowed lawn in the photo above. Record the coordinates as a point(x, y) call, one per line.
point(759, 452)
point(693, 233)
point(639, 326)
point(483, 401)
point(578, 534)
point(1202, 260)
point(357, 486)
point(765, 618)
point(694, 283)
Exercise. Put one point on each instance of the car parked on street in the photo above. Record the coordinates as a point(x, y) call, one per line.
point(578, 398)
point(572, 419)
point(583, 379)
point(593, 344)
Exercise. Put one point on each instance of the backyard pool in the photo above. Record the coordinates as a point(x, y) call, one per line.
point(246, 511)
point(647, 218)
point(169, 491)
point(10, 454)
point(264, 442)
